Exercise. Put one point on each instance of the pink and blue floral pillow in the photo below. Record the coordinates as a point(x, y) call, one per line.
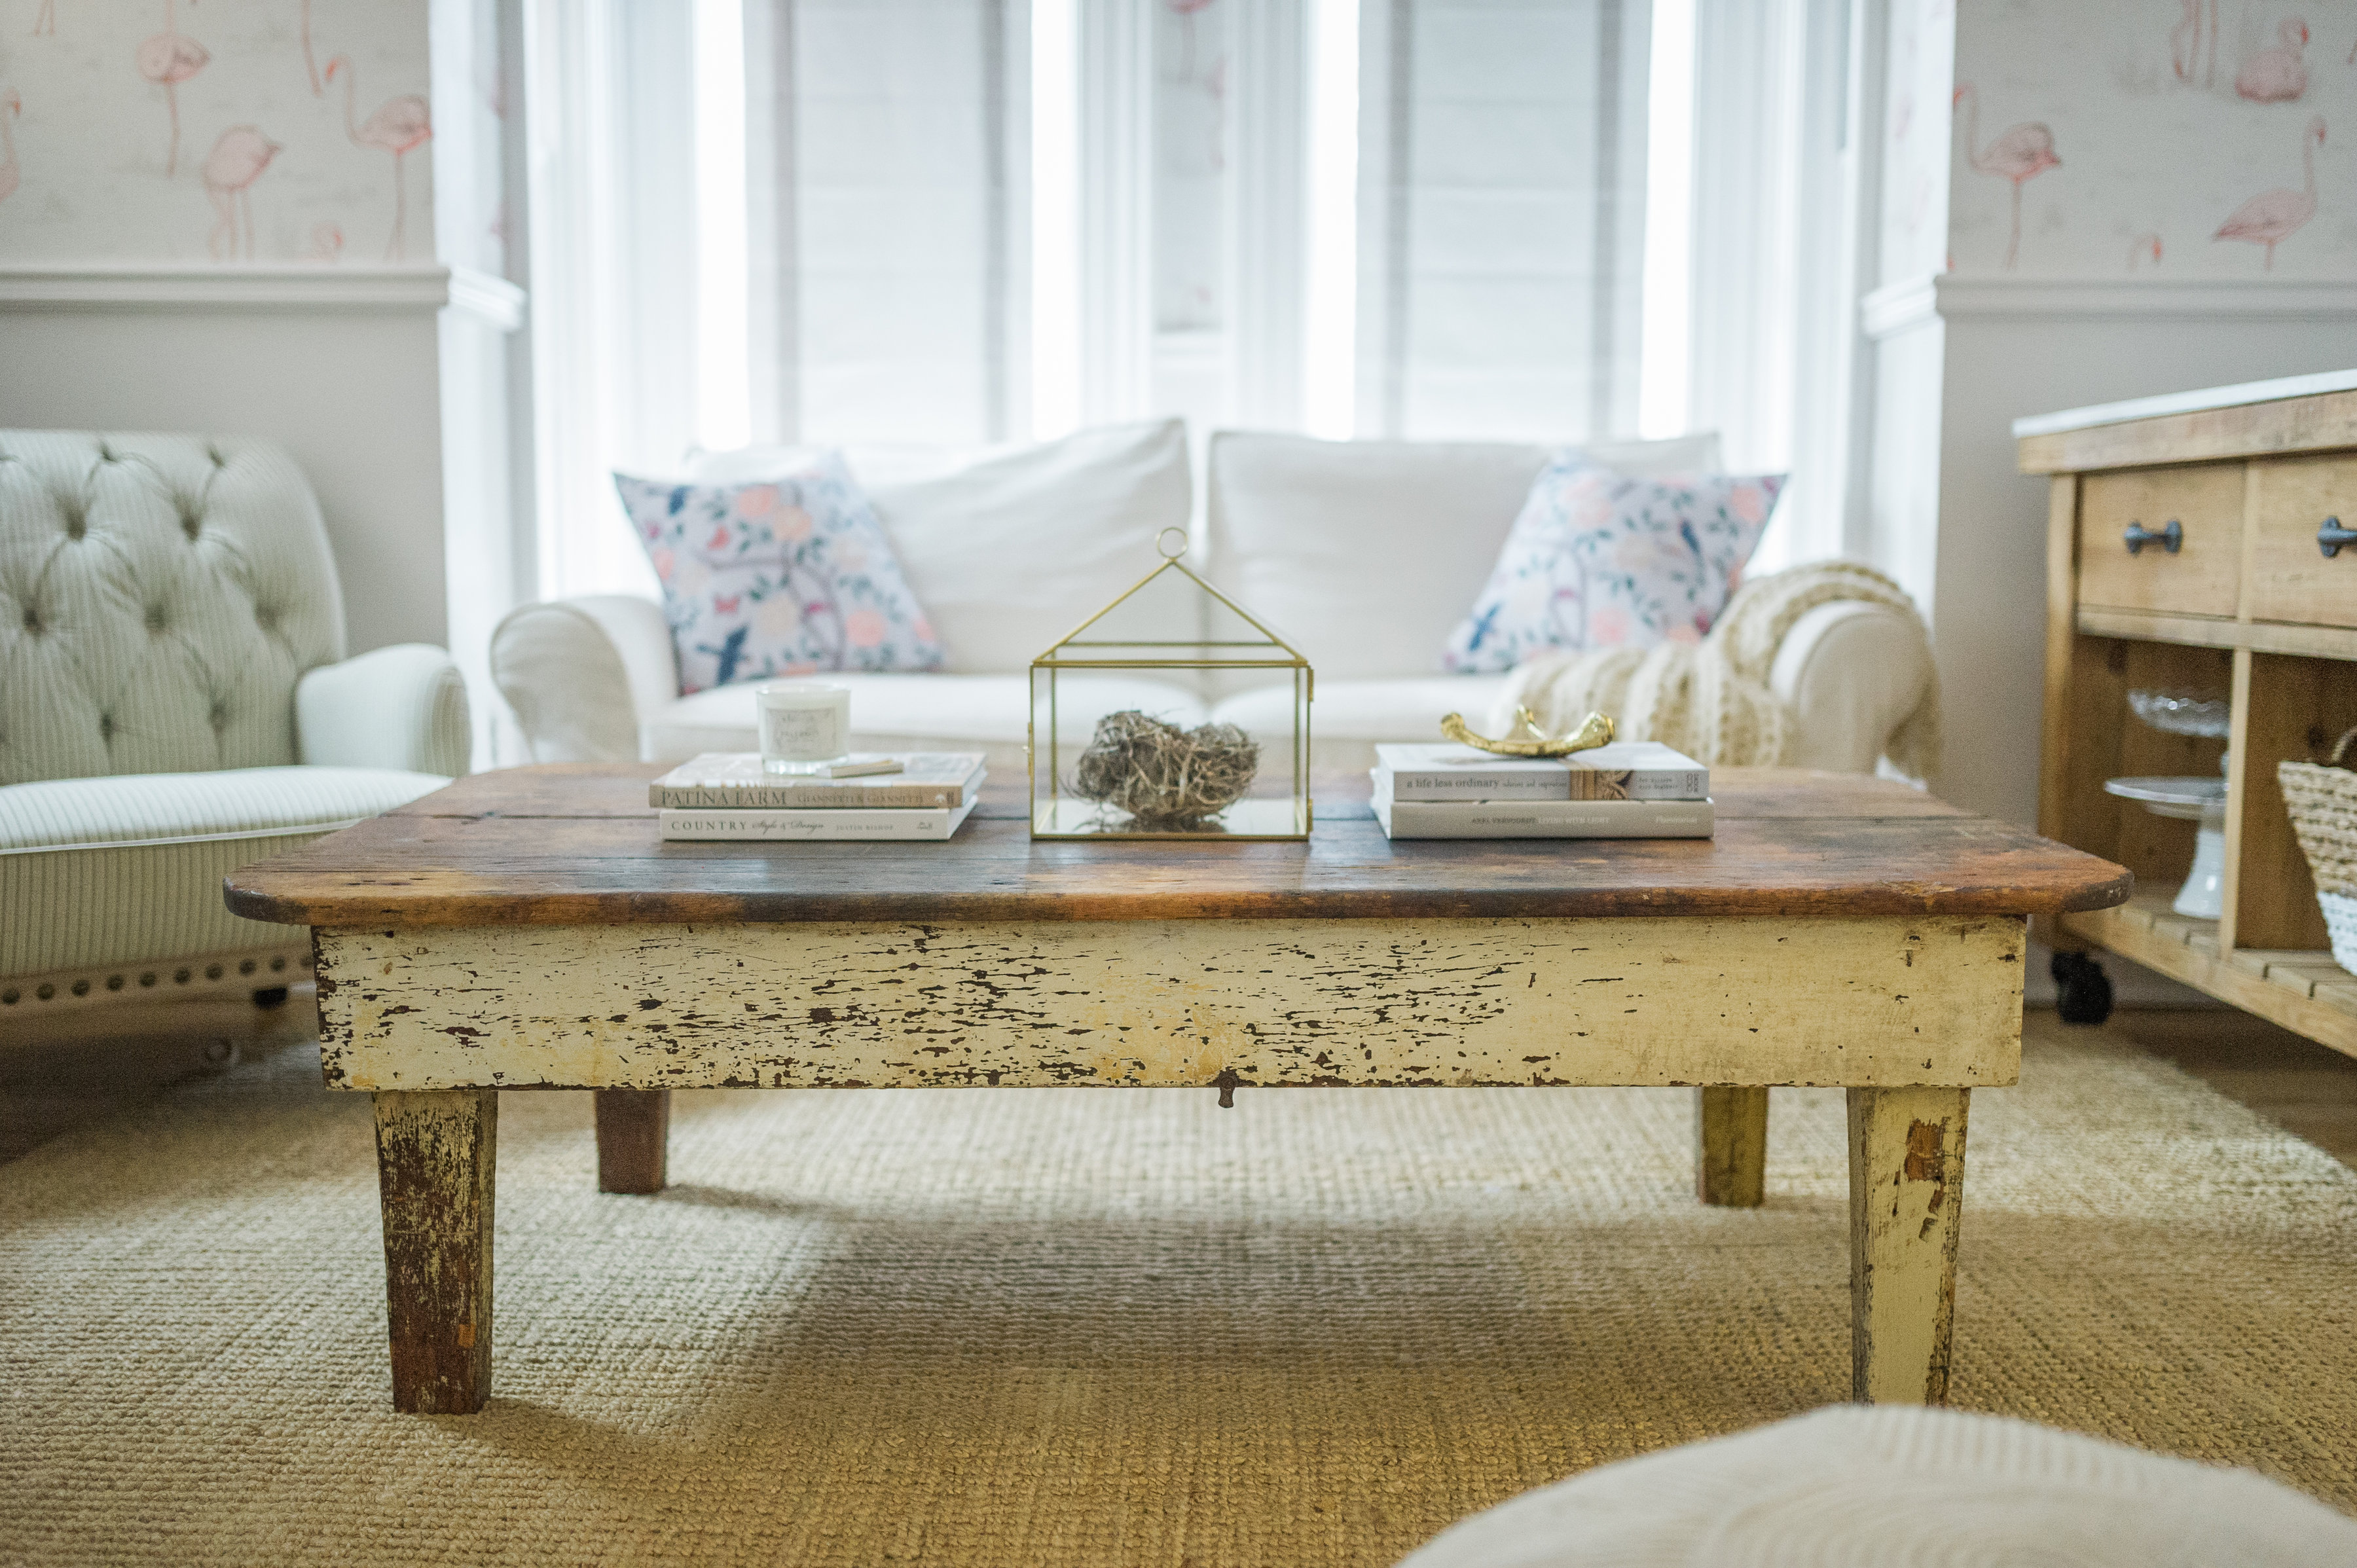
point(1600, 559)
point(790, 576)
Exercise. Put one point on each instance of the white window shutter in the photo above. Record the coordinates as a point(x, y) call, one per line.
point(1502, 216)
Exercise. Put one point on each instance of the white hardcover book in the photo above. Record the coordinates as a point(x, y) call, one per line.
point(879, 825)
point(733, 780)
point(1624, 770)
point(1546, 819)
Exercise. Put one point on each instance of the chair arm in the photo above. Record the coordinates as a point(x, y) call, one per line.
point(583, 674)
point(402, 707)
point(1853, 672)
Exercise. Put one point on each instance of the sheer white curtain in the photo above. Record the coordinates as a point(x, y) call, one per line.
point(1781, 250)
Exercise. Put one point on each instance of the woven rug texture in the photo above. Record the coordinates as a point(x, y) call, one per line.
point(1074, 1326)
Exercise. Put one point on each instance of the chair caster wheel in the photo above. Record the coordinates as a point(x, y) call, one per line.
point(270, 996)
point(2086, 989)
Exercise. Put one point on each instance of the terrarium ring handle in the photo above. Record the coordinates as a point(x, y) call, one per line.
point(1162, 542)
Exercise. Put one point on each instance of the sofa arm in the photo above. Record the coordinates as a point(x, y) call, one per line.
point(1858, 677)
point(583, 674)
point(402, 707)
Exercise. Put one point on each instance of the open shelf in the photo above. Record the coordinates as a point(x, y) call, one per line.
point(2299, 988)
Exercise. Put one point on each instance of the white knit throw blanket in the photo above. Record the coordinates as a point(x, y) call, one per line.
point(1712, 700)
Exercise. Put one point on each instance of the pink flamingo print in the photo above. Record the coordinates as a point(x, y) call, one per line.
point(2020, 153)
point(2276, 75)
point(236, 161)
point(399, 125)
point(310, 61)
point(10, 170)
point(167, 59)
point(45, 21)
point(2273, 216)
point(2143, 245)
point(1186, 10)
point(327, 242)
point(2186, 42)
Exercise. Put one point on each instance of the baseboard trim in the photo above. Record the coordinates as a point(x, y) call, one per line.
point(1916, 302)
point(114, 286)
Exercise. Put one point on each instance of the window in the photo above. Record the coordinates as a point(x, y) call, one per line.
point(962, 222)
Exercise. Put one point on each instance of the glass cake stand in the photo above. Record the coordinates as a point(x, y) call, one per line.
point(2199, 800)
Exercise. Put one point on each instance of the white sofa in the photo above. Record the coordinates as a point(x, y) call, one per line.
point(1362, 555)
point(175, 701)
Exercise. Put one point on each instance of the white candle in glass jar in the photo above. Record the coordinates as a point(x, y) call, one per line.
point(805, 726)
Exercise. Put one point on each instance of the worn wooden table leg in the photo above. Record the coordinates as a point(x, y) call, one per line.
point(1906, 1189)
point(1732, 1147)
point(435, 1154)
point(633, 1139)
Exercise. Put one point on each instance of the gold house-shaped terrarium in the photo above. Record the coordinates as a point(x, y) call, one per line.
point(1171, 714)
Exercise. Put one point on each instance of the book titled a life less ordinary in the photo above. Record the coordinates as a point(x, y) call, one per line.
point(733, 782)
point(1543, 819)
point(1624, 770)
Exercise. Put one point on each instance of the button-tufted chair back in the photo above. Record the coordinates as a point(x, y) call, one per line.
point(159, 595)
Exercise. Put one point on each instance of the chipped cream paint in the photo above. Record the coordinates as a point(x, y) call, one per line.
point(1139, 1002)
point(1906, 1190)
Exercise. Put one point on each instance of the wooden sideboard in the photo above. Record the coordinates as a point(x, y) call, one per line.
point(2236, 585)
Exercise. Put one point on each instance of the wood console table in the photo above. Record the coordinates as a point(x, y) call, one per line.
point(527, 929)
point(2195, 541)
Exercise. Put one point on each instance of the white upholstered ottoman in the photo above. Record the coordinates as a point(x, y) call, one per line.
point(1854, 1485)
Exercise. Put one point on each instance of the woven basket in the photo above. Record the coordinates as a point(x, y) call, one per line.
point(2322, 800)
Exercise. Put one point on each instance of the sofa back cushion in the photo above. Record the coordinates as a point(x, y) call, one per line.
point(1014, 549)
point(1365, 555)
point(159, 595)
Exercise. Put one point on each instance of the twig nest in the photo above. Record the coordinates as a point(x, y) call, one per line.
point(1167, 779)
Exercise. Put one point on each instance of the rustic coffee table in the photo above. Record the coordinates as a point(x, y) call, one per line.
point(527, 929)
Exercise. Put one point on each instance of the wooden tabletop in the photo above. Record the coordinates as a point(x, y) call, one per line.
point(575, 845)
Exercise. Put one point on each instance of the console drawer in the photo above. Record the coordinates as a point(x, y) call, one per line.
point(2199, 576)
point(2291, 577)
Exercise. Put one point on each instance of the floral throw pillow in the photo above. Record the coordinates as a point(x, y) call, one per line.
point(1599, 559)
point(790, 576)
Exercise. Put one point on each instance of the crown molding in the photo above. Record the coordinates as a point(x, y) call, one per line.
point(117, 286)
point(1947, 296)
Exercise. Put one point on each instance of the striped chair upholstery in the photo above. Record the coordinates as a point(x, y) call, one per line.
point(175, 701)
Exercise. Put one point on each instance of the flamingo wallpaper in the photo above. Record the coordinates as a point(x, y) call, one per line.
point(226, 131)
point(2193, 138)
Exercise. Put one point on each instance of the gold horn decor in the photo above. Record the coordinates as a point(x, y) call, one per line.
point(1527, 739)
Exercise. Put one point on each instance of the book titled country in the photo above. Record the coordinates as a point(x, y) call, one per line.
point(1625, 770)
point(1544, 819)
point(836, 824)
point(733, 780)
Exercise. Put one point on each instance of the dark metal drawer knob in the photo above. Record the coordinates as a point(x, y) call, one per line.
point(2172, 538)
point(2331, 536)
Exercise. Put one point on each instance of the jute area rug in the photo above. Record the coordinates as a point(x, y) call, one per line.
point(1041, 1327)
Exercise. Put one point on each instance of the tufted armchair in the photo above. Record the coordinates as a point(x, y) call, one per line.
point(174, 702)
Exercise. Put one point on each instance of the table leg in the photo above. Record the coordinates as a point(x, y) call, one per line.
point(1906, 1189)
point(633, 1139)
point(435, 1154)
point(1732, 1147)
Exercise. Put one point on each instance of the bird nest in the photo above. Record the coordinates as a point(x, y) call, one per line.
point(1165, 779)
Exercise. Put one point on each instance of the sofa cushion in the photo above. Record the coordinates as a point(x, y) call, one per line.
point(790, 576)
point(1602, 559)
point(927, 713)
point(121, 870)
point(1013, 550)
point(1365, 555)
point(1350, 716)
point(159, 595)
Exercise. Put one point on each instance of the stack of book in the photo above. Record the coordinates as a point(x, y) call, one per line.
point(908, 795)
point(1630, 790)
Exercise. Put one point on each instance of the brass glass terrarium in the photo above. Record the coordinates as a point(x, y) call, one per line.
point(1123, 738)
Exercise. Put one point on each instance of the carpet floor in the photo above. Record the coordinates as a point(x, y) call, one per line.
point(1049, 1327)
